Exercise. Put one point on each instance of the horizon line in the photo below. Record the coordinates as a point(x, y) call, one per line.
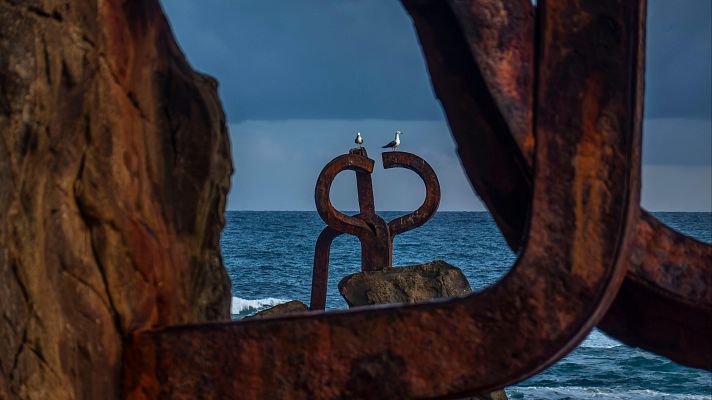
point(487, 211)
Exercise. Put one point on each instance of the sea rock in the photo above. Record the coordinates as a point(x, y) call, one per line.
point(410, 284)
point(114, 168)
point(281, 309)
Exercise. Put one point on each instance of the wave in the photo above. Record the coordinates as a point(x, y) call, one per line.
point(584, 393)
point(597, 340)
point(245, 307)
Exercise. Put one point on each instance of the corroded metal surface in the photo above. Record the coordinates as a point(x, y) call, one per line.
point(500, 36)
point(584, 208)
point(465, 69)
point(376, 236)
point(460, 38)
point(399, 159)
point(685, 262)
point(665, 303)
point(320, 271)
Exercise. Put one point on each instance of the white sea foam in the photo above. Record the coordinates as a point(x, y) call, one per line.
point(246, 306)
point(585, 393)
point(597, 340)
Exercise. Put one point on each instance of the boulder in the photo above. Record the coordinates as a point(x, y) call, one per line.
point(114, 168)
point(410, 284)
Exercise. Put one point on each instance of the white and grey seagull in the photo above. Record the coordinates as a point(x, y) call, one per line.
point(359, 139)
point(393, 143)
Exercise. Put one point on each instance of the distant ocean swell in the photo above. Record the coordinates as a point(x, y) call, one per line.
point(585, 393)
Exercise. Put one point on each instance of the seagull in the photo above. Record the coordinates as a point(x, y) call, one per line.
point(395, 142)
point(359, 139)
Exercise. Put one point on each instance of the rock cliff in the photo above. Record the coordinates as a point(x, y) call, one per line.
point(114, 167)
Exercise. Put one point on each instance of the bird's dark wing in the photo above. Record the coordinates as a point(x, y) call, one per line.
point(391, 144)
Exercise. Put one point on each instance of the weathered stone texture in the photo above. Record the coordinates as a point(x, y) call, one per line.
point(114, 167)
point(411, 284)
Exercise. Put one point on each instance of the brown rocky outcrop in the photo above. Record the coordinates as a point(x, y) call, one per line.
point(114, 167)
point(410, 284)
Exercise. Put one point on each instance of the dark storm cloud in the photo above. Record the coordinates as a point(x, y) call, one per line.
point(318, 70)
point(351, 59)
point(307, 58)
point(679, 59)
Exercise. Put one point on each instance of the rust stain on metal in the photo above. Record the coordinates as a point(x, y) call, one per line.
point(461, 41)
point(376, 236)
point(500, 36)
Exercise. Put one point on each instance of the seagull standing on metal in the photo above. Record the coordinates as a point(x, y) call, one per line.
point(359, 139)
point(394, 143)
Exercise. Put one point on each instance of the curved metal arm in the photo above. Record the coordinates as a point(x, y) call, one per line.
point(399, 159)
point(336, 219)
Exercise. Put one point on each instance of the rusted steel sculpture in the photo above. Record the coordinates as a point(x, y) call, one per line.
point(376, 236)
point(580, 95)
point(481, 58)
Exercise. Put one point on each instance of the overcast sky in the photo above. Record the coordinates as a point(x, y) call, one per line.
point(299, 77)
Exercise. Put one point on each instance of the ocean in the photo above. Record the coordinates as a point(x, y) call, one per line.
point(269, 258)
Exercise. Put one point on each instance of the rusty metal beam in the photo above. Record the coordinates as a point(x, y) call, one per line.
point(665, 303)
point(479, 54)
point(476, 111)
point(574, 259)
point(320, 271)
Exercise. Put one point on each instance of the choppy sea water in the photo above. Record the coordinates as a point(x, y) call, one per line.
point(269, 258)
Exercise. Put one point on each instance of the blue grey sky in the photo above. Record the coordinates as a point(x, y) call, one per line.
point(299, 77)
